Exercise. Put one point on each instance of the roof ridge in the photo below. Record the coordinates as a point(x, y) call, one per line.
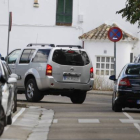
point(101, 32)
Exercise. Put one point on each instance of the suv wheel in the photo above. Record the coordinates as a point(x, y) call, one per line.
point(78, 97)
point(2, 120)
point(32, 92)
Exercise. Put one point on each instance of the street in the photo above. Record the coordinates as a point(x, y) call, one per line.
point(56, 118)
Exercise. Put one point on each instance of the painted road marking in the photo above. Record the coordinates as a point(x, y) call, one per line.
point(135, 122)
point(88, 121)
point(15, 117)
point(129, 121)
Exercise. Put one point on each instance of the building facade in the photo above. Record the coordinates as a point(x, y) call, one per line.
point(61, 22)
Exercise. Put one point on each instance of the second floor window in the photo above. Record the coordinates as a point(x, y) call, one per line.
point(64, 12)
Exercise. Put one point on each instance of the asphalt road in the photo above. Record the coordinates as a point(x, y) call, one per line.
point(56, 118)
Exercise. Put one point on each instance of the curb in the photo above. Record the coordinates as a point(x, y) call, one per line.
point(98, 92)
point(21, 105)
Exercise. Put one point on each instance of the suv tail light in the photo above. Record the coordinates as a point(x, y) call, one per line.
point(125, 82)
point(91, 72)
point(49, 70)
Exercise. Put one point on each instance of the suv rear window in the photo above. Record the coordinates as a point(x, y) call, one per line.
point(133, 70)
point(41, 56)
point(71, 57)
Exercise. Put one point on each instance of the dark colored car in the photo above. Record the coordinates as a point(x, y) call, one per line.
point(126, 88)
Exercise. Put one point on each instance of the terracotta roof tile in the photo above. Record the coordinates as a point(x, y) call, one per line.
point(101, 33)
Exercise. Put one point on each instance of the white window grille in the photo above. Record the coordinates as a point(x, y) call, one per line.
point(104, 65)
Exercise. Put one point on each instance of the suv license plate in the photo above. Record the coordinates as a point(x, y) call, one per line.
point(71, 78)
point(138, 102)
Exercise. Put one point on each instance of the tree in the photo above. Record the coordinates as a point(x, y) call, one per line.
point(131, 11)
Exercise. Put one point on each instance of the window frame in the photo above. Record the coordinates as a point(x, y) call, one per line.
point(64, 23)
point(10, 54)
point(28, 56)
point(36, 54)
point(105, 63)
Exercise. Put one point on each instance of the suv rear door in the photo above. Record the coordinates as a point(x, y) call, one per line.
point(72, 66)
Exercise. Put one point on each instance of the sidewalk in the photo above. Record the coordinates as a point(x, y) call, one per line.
point(99, 92)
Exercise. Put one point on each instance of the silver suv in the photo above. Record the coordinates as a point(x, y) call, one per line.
point(48, 70)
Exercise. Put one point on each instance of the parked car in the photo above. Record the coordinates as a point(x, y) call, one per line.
point(127, 88)
point(2, 115)
point(47, 70)
point(7, 95)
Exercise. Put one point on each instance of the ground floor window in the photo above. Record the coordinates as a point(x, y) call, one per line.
point(104, 65)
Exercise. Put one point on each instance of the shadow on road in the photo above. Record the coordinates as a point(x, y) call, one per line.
point(50, 102)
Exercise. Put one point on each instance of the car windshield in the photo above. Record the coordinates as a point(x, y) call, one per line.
point(71, 57)
point(133, 70)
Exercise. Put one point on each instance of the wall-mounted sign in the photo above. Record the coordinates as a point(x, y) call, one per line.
point(36, 3)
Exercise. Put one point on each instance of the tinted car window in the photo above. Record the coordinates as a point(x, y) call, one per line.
point(70, 57)
point(26, 56)
point(41, 56)
point(133, 70)
point(13, 56)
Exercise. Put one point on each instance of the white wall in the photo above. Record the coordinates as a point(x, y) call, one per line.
point(30, 22)
point(123, 50)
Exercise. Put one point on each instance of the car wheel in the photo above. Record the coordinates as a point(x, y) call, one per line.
point(117, 108)
point(32, 92)
point(113, 100)
point(78, 97)
point(15, 101)
point(9, 119)
point(2, 120)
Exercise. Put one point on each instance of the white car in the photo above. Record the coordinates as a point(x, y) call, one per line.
point(7, 95)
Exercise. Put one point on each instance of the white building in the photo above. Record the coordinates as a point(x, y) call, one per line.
point(63, 21)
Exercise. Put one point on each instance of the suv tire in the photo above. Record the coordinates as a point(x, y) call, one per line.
point(2, 120)
point(32, 92)
point(78, 97)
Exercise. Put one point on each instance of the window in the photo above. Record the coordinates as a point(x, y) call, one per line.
point(13, 56)
point(64, 12)
point(104, 65)
point(26, 56)
point(41, 56)
point(133, 70)
point(70, 57)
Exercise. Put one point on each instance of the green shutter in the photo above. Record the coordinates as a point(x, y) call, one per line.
point(64, 15)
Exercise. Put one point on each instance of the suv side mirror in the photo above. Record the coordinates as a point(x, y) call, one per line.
point(112, 77)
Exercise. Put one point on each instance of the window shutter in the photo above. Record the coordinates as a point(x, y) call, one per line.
point(64, 11)
point(68, 11)
point(60, 11)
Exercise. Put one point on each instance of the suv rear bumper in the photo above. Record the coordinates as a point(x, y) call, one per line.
point(50, 83)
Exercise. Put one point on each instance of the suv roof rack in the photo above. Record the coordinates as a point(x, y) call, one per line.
point(70, 46)
point(40, 44)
